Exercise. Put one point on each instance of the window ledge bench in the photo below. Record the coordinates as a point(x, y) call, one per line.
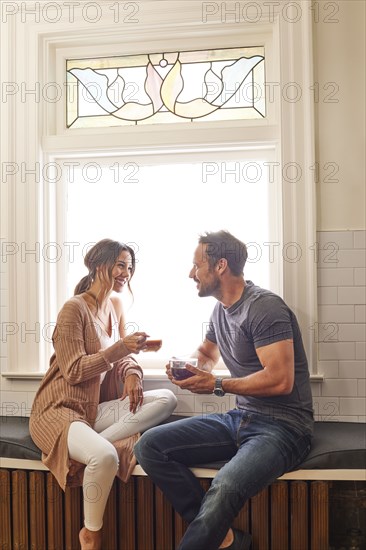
point(293, 513)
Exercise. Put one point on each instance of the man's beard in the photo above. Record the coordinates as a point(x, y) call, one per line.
point(209, 289)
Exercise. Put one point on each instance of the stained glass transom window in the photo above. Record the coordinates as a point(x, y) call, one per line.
point(226, 84)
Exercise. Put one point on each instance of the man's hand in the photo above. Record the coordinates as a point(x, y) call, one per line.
point(132, 388)
point(202, 382)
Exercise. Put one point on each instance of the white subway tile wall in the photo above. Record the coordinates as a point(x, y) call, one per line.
point(341, 335)
point(361, 388)
point(339, 277)
point(327, 295)
point(359, 239)
point(360, 314)
point(360, 276)
point(360, 351)
point(342, 328)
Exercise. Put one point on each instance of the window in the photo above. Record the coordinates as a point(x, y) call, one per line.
point(166, 87)
point(35, 204)
point(160, 209)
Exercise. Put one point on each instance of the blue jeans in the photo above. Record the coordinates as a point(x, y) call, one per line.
point(257, 447)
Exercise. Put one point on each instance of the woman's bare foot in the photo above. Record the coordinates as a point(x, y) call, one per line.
point(90, 540)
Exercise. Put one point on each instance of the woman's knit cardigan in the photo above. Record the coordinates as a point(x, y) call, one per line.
point(71, 390)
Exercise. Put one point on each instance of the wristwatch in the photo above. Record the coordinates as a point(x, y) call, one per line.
point(218, 390)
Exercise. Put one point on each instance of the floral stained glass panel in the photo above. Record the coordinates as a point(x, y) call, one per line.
point(227, 84)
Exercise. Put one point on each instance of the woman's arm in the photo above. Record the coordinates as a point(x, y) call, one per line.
point(127, 365)
point(130, 371)
point(74, 335)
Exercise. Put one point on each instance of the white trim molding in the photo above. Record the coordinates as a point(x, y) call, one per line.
point(209, 473)
point(299, 205)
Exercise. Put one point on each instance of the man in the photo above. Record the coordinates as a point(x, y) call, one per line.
point(269, 431)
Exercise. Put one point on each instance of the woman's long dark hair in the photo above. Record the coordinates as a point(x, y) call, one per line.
point(103, 255)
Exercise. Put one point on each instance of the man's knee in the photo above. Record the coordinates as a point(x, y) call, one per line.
point(142, 447)
point(148, 445)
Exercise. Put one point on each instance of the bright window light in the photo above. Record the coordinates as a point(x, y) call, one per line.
point(161, 210)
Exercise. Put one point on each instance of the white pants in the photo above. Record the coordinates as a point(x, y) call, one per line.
point(93, 447)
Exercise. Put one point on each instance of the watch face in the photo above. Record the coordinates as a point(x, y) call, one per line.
point(218, 388)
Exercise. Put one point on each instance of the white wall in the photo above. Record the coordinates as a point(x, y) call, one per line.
point(339, 64)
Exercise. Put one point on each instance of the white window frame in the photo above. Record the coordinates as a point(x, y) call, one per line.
point(35, 132)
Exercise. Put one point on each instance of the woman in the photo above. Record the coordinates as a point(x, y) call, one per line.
point(79, 416)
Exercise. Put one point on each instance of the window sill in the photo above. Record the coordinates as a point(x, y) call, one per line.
point(23, 375)
point(149, 374)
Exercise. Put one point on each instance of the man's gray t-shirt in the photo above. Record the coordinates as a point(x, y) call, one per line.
point(257, 319)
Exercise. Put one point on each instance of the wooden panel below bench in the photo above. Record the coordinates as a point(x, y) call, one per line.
point(36, 515)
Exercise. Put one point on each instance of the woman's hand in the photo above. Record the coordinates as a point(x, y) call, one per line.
point(132, 389)
point(136, 342)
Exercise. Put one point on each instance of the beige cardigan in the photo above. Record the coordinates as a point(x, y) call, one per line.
point(71, 390)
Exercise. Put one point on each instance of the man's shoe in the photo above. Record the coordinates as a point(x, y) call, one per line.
point(242, 541)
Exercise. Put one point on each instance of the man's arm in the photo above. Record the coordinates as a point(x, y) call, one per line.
point(208, 355)
point(275, 378)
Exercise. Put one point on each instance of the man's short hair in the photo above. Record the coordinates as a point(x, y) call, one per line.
point(222, 244)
